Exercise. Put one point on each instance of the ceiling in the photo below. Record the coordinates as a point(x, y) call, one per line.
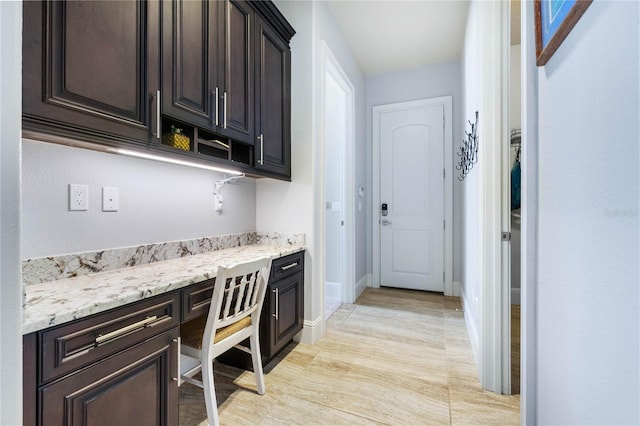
point(397, 35)
point(393, 35)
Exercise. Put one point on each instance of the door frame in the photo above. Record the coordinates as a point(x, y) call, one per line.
point(378, 110)
point(494, 357)
point(330, 65)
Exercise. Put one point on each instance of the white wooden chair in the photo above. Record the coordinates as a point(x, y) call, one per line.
point(234, 315)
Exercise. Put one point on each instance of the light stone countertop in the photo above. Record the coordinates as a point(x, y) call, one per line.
point(56, 302)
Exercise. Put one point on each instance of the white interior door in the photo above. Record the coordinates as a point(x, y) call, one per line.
point(335, 139)
point(412, 190)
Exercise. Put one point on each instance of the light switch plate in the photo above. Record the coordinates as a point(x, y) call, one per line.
point(110, 199)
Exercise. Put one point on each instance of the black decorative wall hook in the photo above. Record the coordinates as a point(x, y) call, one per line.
point(468, 152)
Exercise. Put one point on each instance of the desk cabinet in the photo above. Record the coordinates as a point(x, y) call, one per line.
point(108, 368)
point(119, 365)
point(283, 311)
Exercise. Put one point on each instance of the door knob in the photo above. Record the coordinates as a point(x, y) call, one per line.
point(386, 222)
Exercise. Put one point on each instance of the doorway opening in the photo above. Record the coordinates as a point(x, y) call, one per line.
point(412, 239)
point(514, 198)
point(338, 184)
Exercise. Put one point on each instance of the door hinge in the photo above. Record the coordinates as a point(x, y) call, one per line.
point(444, 173)
point(444, 224)
point(506, 236)
point(443, 121)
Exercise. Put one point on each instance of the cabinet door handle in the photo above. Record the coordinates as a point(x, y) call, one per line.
point(217, 103)
point(101, 338)
point(178, 379)
point(292, 265)
point(158, 118)
point(261, 161)
point(277, 293)
point(224, 111)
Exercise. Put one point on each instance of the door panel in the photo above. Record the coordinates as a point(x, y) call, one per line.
point(132, 387)
point(91, 67)
point(273, 101)
point(190, 49)
point(239, 72)
point(412, 186)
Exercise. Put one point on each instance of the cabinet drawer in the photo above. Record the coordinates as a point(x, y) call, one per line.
point(196, 299)
point(77, 344)
point(287, 265)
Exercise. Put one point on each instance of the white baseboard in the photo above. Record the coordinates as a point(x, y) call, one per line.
point(448, 289)
point(333, 290)
point(515, 296)
point(457, 289)
point(311, 332)
point(472, 330)
point(363, 283)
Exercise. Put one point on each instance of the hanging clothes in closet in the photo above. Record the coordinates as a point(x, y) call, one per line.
point(515, 171)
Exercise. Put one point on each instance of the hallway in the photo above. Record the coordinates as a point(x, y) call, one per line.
point(393, 357)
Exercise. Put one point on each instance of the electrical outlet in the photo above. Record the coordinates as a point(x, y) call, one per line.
point(109, 199)
point(78, 197)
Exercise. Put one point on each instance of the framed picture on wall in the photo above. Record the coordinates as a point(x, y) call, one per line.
point(554, 21)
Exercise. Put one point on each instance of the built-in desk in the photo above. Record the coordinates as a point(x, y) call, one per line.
point(105, 346)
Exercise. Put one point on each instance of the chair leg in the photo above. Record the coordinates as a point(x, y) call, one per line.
point(209, 392)
point(256, 358)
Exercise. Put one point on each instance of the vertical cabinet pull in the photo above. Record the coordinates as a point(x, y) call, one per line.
point(177, 378)
point(261, 161)
point(217, 103)
point(224, 111)
point(276, 292)
point(158, 118)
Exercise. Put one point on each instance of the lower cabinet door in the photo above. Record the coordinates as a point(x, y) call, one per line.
point(286, 311)
point(134, 387)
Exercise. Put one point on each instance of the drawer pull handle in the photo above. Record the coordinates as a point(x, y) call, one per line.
point(292, 265)
point(124, 330)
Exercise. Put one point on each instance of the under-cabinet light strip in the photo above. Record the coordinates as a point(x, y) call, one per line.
point(173, 161)
point(37, 136)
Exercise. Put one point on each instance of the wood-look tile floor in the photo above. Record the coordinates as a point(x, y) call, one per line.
point(394, 357)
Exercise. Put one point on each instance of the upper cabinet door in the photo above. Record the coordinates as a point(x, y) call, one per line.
point(237, 102)
point(191, 55)
point(91, 68)
point(273, 101)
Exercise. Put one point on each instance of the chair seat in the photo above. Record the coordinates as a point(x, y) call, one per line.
point(192, 331)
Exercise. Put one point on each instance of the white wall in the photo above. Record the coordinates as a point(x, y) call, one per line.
point(588, 272)
point(10, 275)
point(471, 226)
point(430, 81)
point(158, 201)
point(295, 206)
point(327, 29)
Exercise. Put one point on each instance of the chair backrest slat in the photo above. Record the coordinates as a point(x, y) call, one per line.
point(236, 292)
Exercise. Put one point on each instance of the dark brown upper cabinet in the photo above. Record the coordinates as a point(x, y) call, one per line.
point(191, 60)
point(238, 75)
point(91, 69)
point(207, 66)
point(127, 73)
point(273, 100)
